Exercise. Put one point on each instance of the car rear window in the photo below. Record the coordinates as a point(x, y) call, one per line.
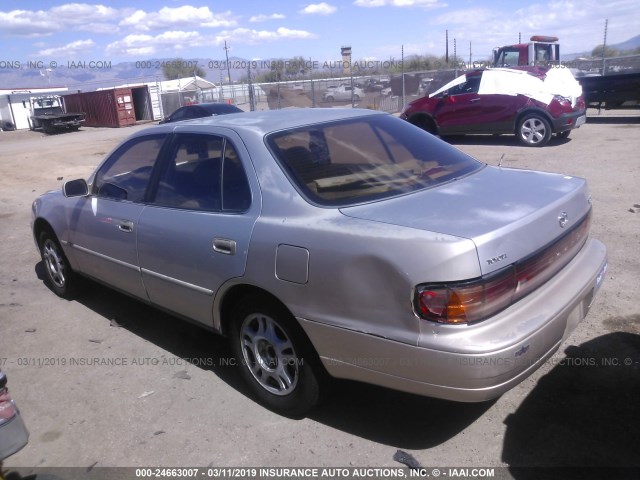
point(369, 158)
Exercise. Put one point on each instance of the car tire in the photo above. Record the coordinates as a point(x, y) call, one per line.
point(425, 123)
point(276, 359)
point(356, 97)
point(59, 275)
point(329, 98)
point(533, 130)
point(564, 134)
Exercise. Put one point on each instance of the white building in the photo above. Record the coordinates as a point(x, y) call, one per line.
point(14, 105)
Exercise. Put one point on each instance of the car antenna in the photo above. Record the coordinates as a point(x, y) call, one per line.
point(500, 161)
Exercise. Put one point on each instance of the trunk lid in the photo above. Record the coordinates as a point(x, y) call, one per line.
point(509, 214)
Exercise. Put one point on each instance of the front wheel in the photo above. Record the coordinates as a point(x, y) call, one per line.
point(356, 97)
point(329, 99)
point(276, 359)
point(533, 130)
point(60, 276)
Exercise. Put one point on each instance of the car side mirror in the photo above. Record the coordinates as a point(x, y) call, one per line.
point(75, 188)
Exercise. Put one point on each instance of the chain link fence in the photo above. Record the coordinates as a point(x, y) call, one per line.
point(388, 93)
point(385, 92)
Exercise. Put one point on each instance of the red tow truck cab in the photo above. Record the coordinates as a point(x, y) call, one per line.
point(540, 51)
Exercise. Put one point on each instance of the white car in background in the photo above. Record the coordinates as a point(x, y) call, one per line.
point(343, 92)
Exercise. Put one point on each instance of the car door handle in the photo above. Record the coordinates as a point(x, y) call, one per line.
point(224, 245)
point(126, 226)
point(474, 100)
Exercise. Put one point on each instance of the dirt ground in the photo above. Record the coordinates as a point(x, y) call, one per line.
point(175, 404)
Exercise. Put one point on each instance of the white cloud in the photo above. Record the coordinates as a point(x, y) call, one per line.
point(71, 16)
point(252, 37)
point(184, 16)
point(69, 50)
point(264, 18)
point(139, 44)
point(318, 9)
point(170, 41)
point(398, 3)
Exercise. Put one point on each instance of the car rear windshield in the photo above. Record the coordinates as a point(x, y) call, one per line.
point(220, 108)
point(369, 158)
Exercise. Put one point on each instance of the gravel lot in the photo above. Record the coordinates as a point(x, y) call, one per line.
point(159, 409)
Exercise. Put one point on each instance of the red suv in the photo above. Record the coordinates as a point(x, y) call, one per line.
point(531, 102)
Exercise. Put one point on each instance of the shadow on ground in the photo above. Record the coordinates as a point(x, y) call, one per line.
point(498, 140)
point(613, 120)
point(378, 414)
point(584, 414)
point(394, 418)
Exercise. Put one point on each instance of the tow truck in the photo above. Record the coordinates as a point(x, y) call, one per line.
point(542, 51)
point(48, 115)
point(611, 88)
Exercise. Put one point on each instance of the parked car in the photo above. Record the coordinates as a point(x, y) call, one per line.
point(344, 242)
point(200, 110)
point(13, 433)
point(372, 85)
point(343, 92)
point(532, 103)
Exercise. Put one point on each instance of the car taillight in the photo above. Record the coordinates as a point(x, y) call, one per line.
point(466, 302)
point(475, 300)
point(562, 100)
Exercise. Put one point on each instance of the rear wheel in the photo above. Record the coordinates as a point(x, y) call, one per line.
point(533, 130)
point(425, 123)
point(60, 276)
point(356, 97)
point(276, 359)
point(329, 98)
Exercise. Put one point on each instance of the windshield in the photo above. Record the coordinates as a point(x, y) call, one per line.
point(346, 162)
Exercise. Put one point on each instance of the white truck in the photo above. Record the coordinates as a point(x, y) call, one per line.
point(48, 115)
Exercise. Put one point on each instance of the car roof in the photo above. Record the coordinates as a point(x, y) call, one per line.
point(217, 107)
point(267, 121)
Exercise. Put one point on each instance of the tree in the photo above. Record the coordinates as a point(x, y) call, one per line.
point(608, 52)
point(180, 68)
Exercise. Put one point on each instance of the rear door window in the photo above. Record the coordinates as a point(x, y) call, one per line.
point(203, 173)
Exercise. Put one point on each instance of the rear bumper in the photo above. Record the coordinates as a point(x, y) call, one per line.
point(528, 333)
point(569, 121)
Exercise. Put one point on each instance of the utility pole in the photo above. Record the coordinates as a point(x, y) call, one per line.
point(446, 47)
point(604, 45)
point(455, 57)
point(252, 105)
point(226, 52)
point(402, 71)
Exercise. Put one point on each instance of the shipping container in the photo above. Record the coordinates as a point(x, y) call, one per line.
point(117, 107)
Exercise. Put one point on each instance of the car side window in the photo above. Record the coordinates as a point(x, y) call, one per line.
point(125, 175)
point(472, 85)
point(178, 115)
point(203, 173)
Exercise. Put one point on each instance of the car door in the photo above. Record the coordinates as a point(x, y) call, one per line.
point(460, 108)
point(194, 234)
point(104, 224)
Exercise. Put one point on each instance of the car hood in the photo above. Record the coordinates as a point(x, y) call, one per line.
point(509, 214)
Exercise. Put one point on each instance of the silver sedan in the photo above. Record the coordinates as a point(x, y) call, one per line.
point(334, 243)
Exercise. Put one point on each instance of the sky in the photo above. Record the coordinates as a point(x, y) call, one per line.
point(119, 31)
